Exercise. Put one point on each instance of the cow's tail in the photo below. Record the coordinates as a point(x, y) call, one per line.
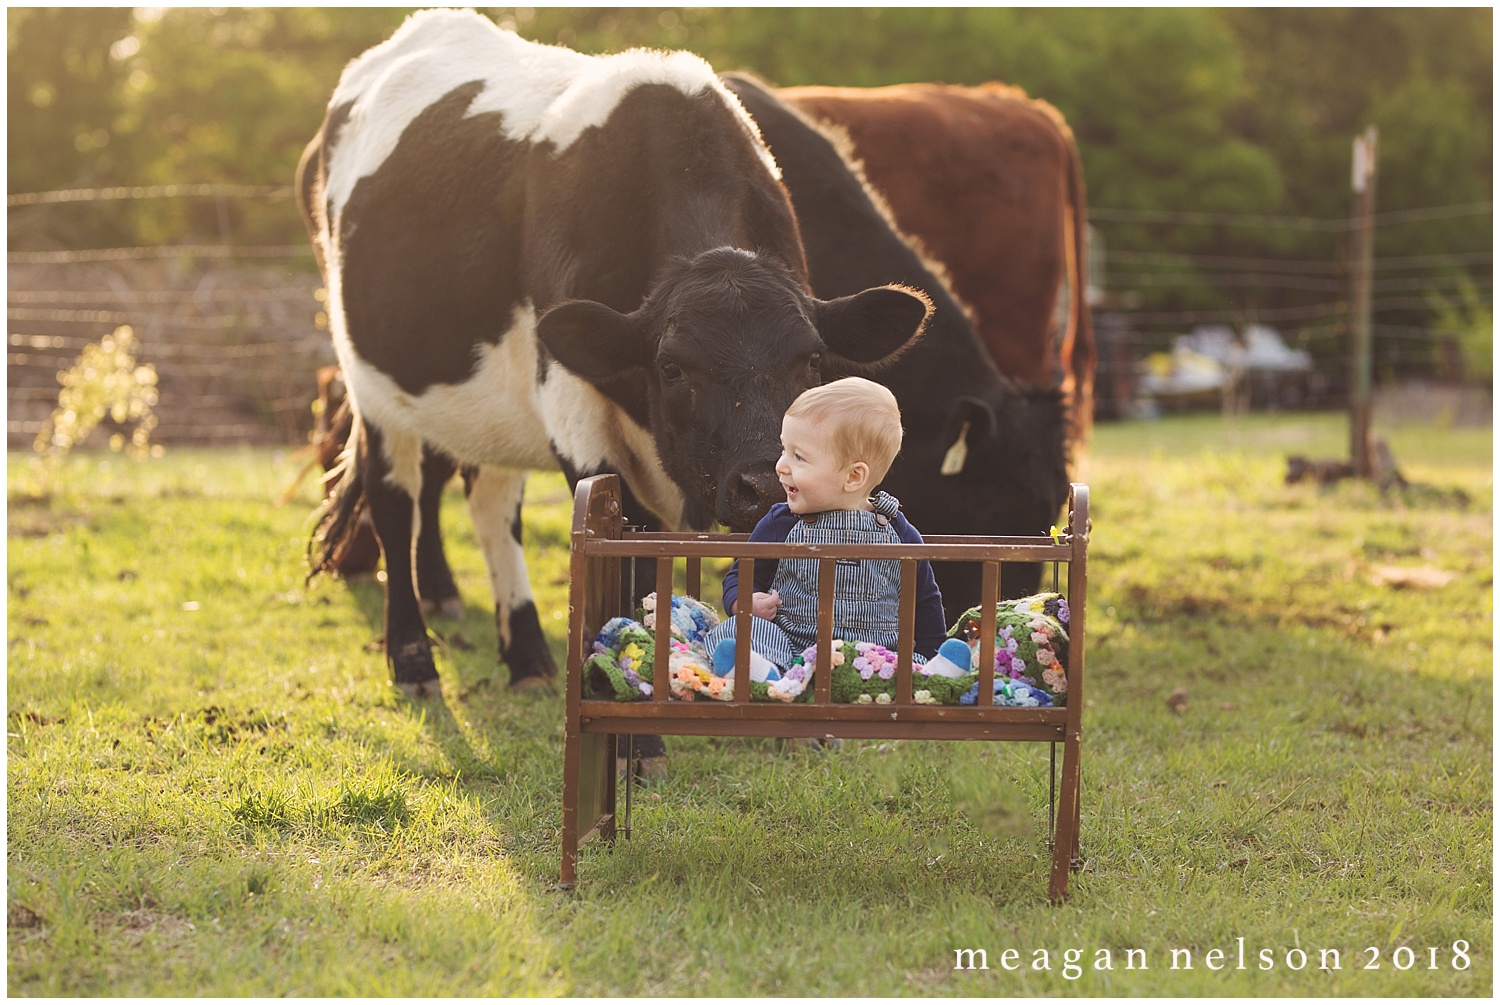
point(337, 521)
point(1078, 350)
point(307, 188)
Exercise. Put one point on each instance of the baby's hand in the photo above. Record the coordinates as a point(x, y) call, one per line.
point(765, 605)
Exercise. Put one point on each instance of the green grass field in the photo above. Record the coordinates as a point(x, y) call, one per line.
point(212, 789)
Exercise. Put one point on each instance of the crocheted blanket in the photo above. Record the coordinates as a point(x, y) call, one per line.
point(1031, 651)
point(1031, 646)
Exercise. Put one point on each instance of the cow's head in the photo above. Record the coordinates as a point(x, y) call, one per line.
point(721, 346)
point(988, 462)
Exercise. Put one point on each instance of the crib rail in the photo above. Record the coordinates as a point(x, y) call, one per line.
point(601, 547)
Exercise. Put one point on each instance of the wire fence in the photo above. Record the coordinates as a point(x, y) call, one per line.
point(1262, 222)
point(235, 331)
point(235, 339)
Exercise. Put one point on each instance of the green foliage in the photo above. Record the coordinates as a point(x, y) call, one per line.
point(1470, 319)
point(233, 95)
point(213, 790)
point(104, 381)
point(1240, 111)
point(63, 99)
point(63, 93)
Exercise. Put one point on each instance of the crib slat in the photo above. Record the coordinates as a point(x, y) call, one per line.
point(661, 674)
point(744, 604)
point(907, 623)
point(989, 594)
point(695, 577)
point(823, 669)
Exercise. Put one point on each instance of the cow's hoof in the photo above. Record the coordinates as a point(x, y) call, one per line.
point(533, 683)
point(651, 770)
point(421, 690)
point(816, 744)
point(648, 770)
point(412, 666)
point(451, 608)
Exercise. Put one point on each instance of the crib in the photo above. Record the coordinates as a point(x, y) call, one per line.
point(603, 553)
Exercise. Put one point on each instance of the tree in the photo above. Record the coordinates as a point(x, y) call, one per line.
point(1247, 112)
point(62, 99)
point(233, 95)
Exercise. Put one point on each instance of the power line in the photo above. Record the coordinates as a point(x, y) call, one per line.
point(184, 298)
point(1269, 281)
point(1300, 266)
point(1098, 213)
point(1131, 280)
point(147, 192)
point(1234, 314)
point(1249, 312)
point(169, 251)
point(219, 322)
point(1334, 225)
point(241, 349)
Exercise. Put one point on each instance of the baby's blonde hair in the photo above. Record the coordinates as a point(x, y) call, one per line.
point(864, 421)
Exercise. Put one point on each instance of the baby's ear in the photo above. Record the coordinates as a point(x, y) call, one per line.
point(857, 477)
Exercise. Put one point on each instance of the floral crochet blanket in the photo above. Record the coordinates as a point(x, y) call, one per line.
point(1031, 645)
point(1031, 651)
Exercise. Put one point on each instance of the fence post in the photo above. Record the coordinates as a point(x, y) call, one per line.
point(1362, 227)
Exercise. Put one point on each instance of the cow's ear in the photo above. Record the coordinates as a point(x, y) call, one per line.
point(592, 340)
point(875, 326)
point(970, 423)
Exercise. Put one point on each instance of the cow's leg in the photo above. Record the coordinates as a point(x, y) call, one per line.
point(495, 503)
point(393, 483)
point(434, 579)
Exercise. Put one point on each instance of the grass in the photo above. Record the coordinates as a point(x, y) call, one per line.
point(212, 790)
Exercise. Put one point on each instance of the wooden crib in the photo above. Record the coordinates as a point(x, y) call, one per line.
point(601, 547)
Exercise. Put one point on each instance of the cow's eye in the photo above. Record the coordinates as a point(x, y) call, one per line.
point(671, 372)
point(815, 361)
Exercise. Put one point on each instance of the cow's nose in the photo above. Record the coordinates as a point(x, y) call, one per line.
point(747, 496)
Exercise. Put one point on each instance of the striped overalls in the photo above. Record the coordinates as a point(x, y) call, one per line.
point(866, 595)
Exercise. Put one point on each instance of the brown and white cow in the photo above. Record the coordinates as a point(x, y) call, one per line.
point(537, 258)
point(989, 183)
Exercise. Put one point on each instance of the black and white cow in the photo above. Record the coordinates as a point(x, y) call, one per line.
point(536, 258)
point(1012, 475)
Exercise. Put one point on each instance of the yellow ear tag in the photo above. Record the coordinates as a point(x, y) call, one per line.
point(953, 460)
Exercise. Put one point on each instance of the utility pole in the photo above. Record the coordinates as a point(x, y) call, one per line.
point(1362, 249)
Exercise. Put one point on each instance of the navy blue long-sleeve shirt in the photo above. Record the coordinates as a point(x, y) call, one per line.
point(777, 524)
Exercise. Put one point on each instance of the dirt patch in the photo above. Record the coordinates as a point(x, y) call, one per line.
point(142, 922)
point(21, 916)
point(222, 726)
point(1422, 577)
point(35, 718)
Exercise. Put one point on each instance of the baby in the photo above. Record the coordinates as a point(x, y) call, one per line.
point(837, 443)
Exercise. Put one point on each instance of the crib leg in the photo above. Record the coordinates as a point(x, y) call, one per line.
point(1052, 795)
point(1065, 841)
point(629, 779)
point(569, 873)
point(1076, 862)
point(588, 796)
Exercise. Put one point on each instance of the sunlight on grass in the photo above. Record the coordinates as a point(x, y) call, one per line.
point(213, 789)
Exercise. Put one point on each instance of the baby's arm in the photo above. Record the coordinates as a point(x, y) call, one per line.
point(765, 605)
point(774, 526)
point(930, 629)
point(762, 605)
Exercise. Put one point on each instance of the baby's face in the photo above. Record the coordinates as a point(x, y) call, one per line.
point(813, 478)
